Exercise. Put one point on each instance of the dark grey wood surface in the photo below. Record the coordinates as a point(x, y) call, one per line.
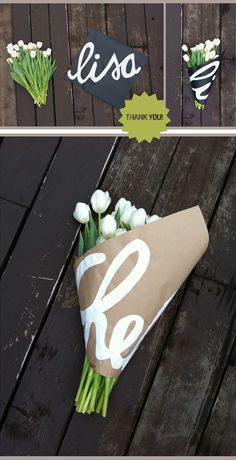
point(177, 393)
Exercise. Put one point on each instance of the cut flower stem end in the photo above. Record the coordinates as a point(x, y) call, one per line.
point(94, 391)
point(199, 106)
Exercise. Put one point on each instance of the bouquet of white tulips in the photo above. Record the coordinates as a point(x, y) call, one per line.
point(126, 273)
point(203, 61)
point(32, 68)
point(94, 389)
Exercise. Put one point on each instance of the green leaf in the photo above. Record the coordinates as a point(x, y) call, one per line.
point(80, 245)
point(93, 234)
point(117, 217)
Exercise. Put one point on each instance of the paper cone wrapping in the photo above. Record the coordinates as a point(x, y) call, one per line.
point(125, 283)
point(202, 77)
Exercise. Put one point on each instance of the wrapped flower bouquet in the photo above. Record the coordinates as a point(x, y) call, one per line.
point(203, 61)
point(129, 267)
point(32, 68)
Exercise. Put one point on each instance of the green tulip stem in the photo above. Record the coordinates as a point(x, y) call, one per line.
point(99, 224)
point(79, 408)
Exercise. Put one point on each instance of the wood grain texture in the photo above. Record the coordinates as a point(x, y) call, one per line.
point(178, 403)
point(173, 63)
point(228, 70)
point(7, 89)
point(22, 166)
point(28, 282)
point(211, 30)
point(219, 436)
point(214, 264)
point(63, 102)
point(154, 27)
point(11, 216)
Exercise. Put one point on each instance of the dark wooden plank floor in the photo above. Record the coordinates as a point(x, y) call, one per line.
point(176, 395)
point(64, 29)
point(192, 23)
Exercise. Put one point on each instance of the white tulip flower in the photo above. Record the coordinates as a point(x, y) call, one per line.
point(216, 41)
point(16, 47)
point(126, 214)
point(152, 218)
point(193, 49)
point(186, 58)
point(20, 43)
point(10, 60)
point(39, 45)
point(184, 48)
point(201, 46)
point(121, 204)
point(48, 51)
point(82, 212)
point(100, 239)
point(209, 45)
point(108, 226)
point(138, 218)
point(207, 56)
point(30, 45)
point(25, 47)
point(45, 54)
point(14, 54)
point(10, 48)
point(32, 54)
point(212, 54)
point(100, 201)
point(120, 231)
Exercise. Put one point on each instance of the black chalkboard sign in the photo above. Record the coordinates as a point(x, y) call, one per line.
point(106, 68)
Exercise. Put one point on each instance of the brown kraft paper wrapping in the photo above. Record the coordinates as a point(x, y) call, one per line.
point(134, 278)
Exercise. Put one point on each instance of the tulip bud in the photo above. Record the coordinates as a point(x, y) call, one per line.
point(121, 204)
point(30, 45)
point(16, 47)
point(186, 58)
point(100, 239)
point(32, 54)
point(10, 48)
point(153, 218)
point(201, 46)
point(216, 41)
point(20, 43)
point(39, 45)
point(48, 51)
point(184, 48)
point(138, 218)
point(126, 214)
point(100, 201)
point(82, 213)
point(108, 226)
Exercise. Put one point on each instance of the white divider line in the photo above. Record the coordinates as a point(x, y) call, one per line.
point(113, 131)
